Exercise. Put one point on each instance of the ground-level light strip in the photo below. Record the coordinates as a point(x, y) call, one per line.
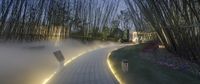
point(65, 64)
point(119, 79)
point(114, 71)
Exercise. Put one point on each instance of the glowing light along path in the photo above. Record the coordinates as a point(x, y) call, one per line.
point(46, 80)
point(66, 63)
point(114, 71)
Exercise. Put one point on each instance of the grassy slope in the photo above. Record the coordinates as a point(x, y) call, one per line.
point(145, 72)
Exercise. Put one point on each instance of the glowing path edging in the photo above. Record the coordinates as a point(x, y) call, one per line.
point(66, 63)
point(73, 58)
point(113, 70)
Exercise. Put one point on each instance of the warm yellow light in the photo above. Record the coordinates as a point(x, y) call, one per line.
point(114, 71)
point(73, 58)
point(46, 80)
point(65, 64)
point(58, 37)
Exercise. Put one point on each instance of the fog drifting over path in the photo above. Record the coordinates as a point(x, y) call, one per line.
point(31, 63)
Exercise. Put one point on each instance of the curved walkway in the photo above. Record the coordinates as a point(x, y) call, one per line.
point(90, 68)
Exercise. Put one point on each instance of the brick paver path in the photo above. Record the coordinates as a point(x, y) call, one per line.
point(90, 68)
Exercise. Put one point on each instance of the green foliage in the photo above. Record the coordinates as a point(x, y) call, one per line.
point(176, 23)
point(45, 19)
point(142, 71)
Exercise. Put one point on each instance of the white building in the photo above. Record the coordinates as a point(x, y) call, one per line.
point(141, 37)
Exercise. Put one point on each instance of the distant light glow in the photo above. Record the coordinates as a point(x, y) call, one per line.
point(114, 71)
point(161, 46)
point(58, 37)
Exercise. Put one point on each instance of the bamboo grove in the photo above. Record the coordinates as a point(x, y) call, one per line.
point(176, 23)
point(49, 19)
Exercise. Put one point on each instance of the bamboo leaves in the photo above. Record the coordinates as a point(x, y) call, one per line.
point(46, 19)
point(174, 21)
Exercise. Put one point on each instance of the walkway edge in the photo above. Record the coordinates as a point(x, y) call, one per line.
point(67, 62)
point(112, 69)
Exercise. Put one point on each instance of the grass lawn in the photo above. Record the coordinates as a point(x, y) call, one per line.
point(146, 72)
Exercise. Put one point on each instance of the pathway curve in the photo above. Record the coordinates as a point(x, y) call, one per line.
point(90, 68)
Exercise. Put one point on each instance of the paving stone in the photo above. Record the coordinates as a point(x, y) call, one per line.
point(90, 68)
